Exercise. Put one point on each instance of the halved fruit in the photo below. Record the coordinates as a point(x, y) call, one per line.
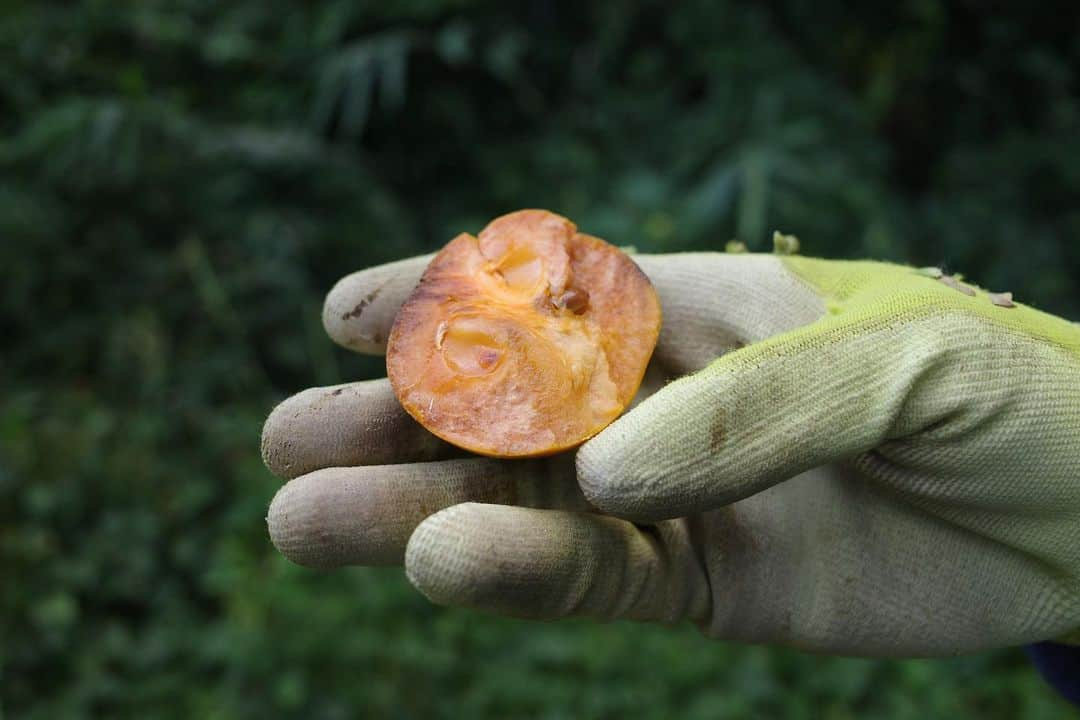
point(524, 341)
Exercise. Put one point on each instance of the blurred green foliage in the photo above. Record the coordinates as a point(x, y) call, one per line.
point(182, 181)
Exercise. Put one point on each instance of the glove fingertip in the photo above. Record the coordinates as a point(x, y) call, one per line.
point(359, 310)
point(344, 321)
point(441, 557)
point(288, 521)
point(612, 474)
point(593, 469)
point(657, 461)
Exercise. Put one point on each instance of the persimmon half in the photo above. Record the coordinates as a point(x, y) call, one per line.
point(525, 340)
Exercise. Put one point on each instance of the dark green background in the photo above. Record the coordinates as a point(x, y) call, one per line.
point(181, 182)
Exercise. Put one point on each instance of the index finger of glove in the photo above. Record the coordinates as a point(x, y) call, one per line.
point(712, 303)
point(359, 310)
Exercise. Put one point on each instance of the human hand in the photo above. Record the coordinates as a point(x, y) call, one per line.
point(859, 458)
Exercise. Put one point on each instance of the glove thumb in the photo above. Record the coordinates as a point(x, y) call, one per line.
point(758, 416)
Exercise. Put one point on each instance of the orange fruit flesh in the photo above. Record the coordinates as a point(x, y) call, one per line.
point(524, 341)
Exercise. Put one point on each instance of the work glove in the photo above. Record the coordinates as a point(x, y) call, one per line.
point(845, 457)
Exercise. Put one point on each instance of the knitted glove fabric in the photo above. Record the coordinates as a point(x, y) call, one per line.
point(857, 458)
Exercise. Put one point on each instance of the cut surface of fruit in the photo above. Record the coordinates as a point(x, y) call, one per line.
point(525, 340)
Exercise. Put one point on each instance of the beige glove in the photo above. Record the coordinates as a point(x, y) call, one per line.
point(882, 461)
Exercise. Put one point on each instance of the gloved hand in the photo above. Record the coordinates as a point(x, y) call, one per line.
point(862, 458)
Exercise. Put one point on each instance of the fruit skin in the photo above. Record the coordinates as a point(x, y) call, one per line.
point(524, 341)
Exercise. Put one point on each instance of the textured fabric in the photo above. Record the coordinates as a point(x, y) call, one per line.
point(601, 567)
point(855, 458)
point(364, 515)
point(360, 309)
point(954, 518)
point(342, 425)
